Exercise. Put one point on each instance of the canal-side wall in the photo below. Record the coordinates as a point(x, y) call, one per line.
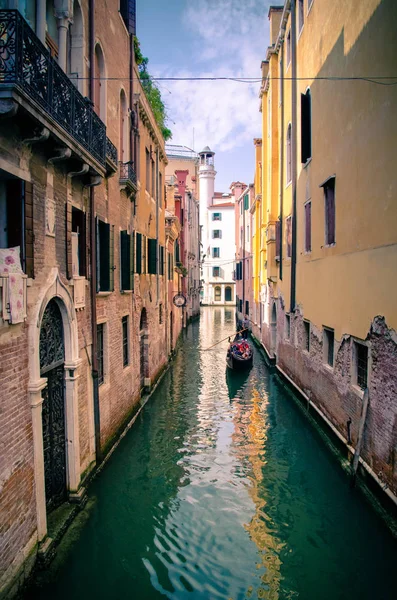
point(332, 389)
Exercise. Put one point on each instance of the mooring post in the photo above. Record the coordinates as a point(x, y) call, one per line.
point(357, 451)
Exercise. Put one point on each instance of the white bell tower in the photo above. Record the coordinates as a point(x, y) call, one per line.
point(207, 179)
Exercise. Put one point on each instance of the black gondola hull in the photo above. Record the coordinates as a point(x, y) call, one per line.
point(238, 363)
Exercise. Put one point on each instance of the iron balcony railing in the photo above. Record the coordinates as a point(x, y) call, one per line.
point(127, 173)
point(26, 63)
point(111, 152)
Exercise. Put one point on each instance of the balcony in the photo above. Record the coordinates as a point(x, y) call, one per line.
point(128, 178)
point(30, 77)
point(111, 157)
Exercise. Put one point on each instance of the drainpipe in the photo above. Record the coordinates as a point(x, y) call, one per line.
point(281, 159)
point(94, 358)
point(294, 154)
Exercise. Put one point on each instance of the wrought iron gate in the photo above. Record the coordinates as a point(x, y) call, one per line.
point(53, 410)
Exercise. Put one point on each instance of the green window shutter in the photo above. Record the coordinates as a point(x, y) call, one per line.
point(125, 270)
point(177, 257)
point(246, 202)
point(152, 251)
point(161, 265)
point(98, 256)
point(132, 259)
point(144, 254)
point(138, 252)
point(111, 258)
point(104, 239)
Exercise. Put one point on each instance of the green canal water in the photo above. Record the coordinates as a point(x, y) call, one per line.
point(222, 490)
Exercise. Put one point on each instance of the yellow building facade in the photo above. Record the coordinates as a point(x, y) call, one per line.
point(327, 258)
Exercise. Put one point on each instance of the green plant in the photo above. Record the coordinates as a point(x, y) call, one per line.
point(152, 92)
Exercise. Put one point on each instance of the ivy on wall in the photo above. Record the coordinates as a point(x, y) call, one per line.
point(152, 92)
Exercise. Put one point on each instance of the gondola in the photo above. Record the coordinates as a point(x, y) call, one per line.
point(239, 354)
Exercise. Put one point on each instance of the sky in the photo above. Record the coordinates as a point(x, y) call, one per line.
point(205, 38)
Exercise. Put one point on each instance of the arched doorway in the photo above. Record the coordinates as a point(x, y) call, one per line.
point(218, 293)
point(273, 329)
point(228, 294)
point(52, 358)
point(144, 347)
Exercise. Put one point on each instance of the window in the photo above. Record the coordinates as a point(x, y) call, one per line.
point(239, 271)
point(306, 336)
point(126, 261)
point(306, 127)
point(289, 154)
point(217, 233)
point(216, 271)
point(126, 350)
point(246, 202)
point(161, 318)
point(170, 266)
point(228, 294)
point(127, 12)
point(153, 186)
point(288, 236)
point(16, 220)
point(160, 189)
point(218, 293)
point(287, 327)
point(100, 84)
point(123, 127)
point(152, 256)
point(217, 216)
point(138, 253)
point(329, 200)
point(308, 227)
point(161, 260)
point(147, 183)
point(100, 352)
point(240, 305)
point(77, 243)
point(360, 365)
point(301, 16)
point(328, 345)
point(216, 252)
point(247, 308)
point(144, 254)
point(278, 240)
point(288, 48)
point(105, 268)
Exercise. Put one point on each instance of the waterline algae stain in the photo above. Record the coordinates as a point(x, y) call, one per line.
point(222, 490)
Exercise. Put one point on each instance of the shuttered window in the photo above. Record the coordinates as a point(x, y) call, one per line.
point(144, 254)
point(16, 208)
point(288, 236)
point(216, 271)
point(76, 242)
point(278, 240)
point(177, 253)
point(246, 202)
point(217, 216)
point(126, 261)
point(329, 201)
point(152, 256)
point(308, 227)
point(170, 266)
point(216, 252)
point(138, 253)
point(306, 127)
point(105, 256)
point(239, 271)
point(161, 260)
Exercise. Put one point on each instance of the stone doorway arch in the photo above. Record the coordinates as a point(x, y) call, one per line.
point(56, 297)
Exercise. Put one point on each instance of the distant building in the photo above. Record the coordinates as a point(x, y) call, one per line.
point(217, 221)
point(181, 173)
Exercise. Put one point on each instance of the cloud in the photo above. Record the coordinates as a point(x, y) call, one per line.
point(228, 39)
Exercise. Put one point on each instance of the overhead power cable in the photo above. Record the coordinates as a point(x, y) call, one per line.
point(377, 80)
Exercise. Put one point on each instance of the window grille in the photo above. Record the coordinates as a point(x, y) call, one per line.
point(361, 365)
point(329, 346)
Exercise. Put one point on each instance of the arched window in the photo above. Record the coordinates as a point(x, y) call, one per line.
point(289, 153)
point(228, 294)
point(100, 84)
point(75, 49)
point(123, 115)
point(218, 293)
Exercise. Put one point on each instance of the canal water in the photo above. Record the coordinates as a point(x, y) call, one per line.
point(222, 490)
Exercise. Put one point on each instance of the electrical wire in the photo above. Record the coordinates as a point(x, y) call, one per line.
point(381, 80)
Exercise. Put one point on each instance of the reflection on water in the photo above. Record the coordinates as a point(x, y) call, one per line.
point(222, 490)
